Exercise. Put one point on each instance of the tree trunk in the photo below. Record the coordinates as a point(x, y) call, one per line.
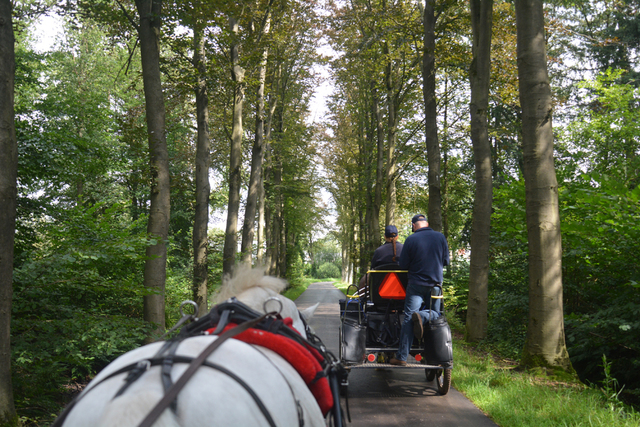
point(366, 144)
point(392, 134)
point(261, 227)
point(155, 272)
point(444, 153)
point(257, 158)
point(545, 342)
point(268, 219)
point(235, 161)
point(434, 213)
point(8, 191)
point(279, 247)
point(344, 256)
point(203, 189)
point(263, 230)
point(377, 201)
point(479, 74)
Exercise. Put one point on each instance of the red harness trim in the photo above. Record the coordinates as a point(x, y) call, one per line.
point(305, 360)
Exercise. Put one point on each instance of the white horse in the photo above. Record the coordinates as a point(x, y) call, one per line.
point(210, 397)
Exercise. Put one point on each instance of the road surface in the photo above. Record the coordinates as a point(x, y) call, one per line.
point(392, 397)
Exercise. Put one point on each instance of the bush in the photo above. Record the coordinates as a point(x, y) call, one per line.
point(77, 305)
point(328, 270)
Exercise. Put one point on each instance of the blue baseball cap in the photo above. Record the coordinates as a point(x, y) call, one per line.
point(390, 231)
point(418, 217)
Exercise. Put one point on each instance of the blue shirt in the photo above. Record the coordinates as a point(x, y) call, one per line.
point(424, 255)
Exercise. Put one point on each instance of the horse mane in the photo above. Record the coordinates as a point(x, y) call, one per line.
point(244, 277)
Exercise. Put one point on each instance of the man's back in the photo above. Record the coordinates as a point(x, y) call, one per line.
point(424, 255)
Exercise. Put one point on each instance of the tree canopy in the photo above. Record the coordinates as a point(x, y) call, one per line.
point(85, 180)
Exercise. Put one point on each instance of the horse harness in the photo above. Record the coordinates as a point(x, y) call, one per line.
point(231, 311)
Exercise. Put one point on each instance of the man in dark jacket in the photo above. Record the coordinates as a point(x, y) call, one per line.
point(424, 255)
point(390, 251)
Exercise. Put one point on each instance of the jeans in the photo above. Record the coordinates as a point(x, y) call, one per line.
point(416, 296)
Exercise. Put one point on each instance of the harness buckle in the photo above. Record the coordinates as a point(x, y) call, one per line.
point(143, 365)
point(140, 368)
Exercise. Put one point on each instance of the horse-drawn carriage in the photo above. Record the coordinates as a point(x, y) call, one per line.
point(370, 322)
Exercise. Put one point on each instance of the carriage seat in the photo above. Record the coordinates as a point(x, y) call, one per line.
point(386, 287)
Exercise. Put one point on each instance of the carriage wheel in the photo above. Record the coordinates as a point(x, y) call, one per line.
point(443, 380)
point(430, 373)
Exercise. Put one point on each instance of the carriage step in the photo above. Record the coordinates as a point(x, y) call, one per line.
point(390, 366)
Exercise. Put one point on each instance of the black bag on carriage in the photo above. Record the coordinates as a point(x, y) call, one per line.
point(383, 329)
point(353, 332)
point(438, 348)
point(354, 339)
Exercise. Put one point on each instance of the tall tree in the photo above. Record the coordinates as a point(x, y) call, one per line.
point(376, 117)
point(434, 211)
point(8, 176)
point(203, 160)
point(235, 155)
point(392, 138)
point(262, 230)
point(257, 153)
point(545, 343)
point(479, 73)
point(155, 268)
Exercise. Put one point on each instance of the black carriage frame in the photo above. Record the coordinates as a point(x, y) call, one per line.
point(382, 318)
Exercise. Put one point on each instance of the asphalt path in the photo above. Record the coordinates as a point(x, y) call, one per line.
point(388, 397)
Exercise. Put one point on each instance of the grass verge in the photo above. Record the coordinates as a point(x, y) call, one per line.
point(520, 399)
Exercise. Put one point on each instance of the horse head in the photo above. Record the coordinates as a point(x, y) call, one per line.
point(239, 383)
point(262, 293)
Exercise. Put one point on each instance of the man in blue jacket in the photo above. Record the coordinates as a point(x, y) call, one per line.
point(424, 255)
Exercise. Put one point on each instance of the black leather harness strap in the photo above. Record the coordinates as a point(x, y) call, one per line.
point(173, 391)
point(165, 372)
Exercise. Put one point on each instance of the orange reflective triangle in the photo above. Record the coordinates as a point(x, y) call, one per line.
point(391, 287)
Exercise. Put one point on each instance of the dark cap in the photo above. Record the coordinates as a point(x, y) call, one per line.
point(390, 231)
point(418, 217)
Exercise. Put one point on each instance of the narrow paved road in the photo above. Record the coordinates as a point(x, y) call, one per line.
point(390, 397)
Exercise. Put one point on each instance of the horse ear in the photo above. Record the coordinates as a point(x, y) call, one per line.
point(307, 313)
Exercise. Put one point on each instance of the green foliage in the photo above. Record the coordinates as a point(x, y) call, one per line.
point(77, 303)
point(508, 283)
point(178, 288)
point(180, 278)
point(328, 270)
point(322, 251)
point(295, 266)
point(611, 389)
point(600, 218)
point(456, 287)
point(604, 139)
point(214, 259)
